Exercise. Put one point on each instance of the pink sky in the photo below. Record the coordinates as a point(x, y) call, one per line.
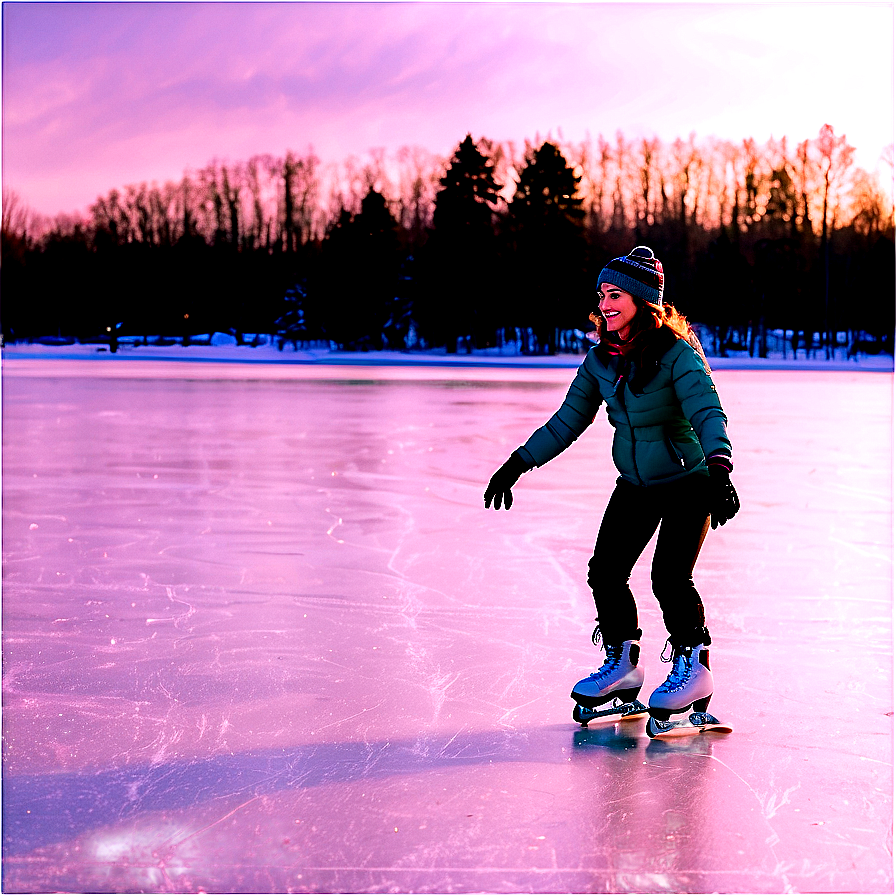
point(100, 95)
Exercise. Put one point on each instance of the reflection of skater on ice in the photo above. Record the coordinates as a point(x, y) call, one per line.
point(673, 455)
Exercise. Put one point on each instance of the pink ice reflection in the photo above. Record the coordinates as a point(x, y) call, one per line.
point(260, 635)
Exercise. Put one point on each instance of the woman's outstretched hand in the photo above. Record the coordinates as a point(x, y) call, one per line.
point(724, 502)
point(505, 478)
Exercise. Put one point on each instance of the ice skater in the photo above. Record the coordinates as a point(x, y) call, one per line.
point(673, 455)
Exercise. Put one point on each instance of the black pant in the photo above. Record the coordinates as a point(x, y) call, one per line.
point(681, 510)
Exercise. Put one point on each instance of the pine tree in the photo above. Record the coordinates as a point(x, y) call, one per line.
point(358, 275)
point(546, 228)
point(461, 260)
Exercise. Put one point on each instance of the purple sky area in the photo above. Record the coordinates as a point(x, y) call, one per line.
point(101, 95)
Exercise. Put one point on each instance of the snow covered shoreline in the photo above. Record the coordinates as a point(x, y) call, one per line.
point(267, 354)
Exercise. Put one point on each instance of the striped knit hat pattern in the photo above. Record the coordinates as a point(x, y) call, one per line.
point(638, 273)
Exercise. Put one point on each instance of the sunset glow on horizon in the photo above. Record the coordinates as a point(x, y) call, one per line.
point(97, 96)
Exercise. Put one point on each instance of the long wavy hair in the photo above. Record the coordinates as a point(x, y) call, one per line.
point(648, 318)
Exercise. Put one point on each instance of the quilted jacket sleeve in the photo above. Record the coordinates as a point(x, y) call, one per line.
point(700, 402)
point(575, 415)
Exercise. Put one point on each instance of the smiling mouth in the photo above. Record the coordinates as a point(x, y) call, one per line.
point(609, 314)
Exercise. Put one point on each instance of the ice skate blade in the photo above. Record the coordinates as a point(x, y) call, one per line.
point(695, 723)
point(619, 712)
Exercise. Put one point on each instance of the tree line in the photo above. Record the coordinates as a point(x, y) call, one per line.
point(498, 244)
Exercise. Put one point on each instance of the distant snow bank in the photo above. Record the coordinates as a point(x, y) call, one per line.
point(269, 354)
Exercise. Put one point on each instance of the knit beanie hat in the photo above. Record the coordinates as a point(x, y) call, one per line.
point(638, 273)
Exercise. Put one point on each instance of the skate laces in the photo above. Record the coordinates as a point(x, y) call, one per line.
point(663, 657)
point(681, 667)
point(614, 657)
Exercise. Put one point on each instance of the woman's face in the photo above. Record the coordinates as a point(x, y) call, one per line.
point(618, 308)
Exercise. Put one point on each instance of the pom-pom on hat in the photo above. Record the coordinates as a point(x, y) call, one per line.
point(638, 273)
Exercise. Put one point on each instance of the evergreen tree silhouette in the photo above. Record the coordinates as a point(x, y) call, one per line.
point(357, 281)
point(461, 270)
point(545, 224)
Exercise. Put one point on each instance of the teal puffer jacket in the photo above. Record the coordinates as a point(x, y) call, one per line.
point(665, 411)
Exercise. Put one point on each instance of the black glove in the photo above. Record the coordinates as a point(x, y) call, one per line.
point(723, 500)
point(500, 484)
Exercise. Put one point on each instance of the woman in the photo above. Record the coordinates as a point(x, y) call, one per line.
point(673, 455)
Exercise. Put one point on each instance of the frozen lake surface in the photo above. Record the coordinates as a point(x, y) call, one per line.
point(260, 635)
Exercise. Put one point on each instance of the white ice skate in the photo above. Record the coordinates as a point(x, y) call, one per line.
point(617, 682)
point(689, 684)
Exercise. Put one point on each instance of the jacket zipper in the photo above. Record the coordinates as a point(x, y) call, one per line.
point(676, 454)
point(628, 420)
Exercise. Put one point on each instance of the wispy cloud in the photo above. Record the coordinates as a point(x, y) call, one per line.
point(101, 94)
